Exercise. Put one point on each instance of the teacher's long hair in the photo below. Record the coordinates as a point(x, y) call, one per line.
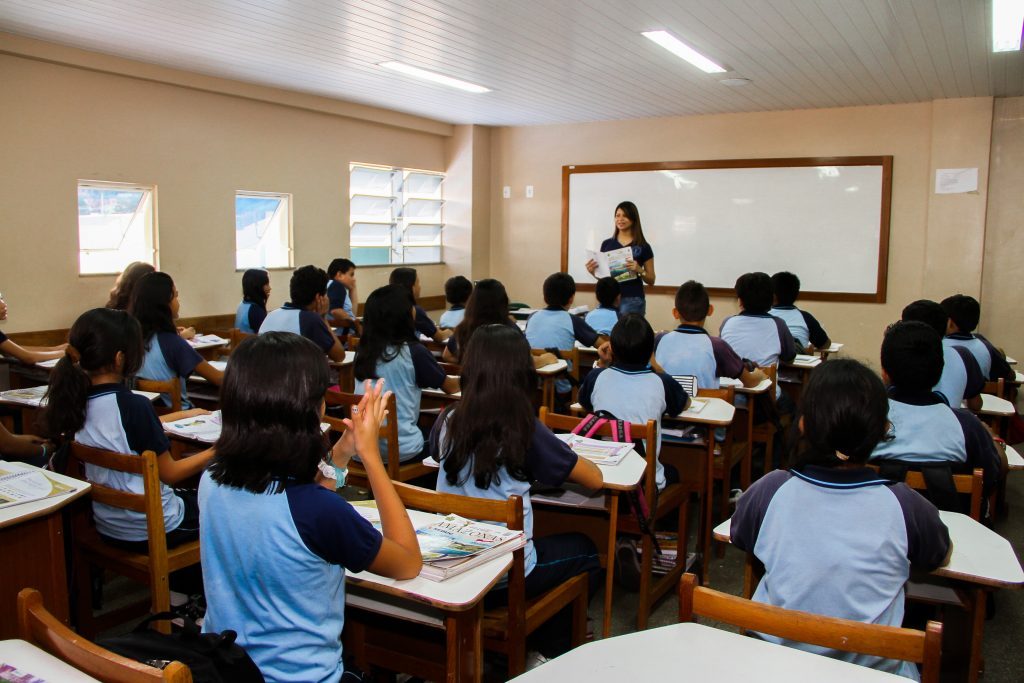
point(633, 214)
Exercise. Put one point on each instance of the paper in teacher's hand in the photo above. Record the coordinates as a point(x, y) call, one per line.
point(601, 258)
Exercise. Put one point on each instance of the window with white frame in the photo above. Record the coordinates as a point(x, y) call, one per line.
point(263, 230)
point(395, 215)
point(116, 226)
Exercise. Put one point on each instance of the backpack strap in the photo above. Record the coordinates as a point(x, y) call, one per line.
point(589, 425)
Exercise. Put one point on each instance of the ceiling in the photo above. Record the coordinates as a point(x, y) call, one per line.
point(555, 61)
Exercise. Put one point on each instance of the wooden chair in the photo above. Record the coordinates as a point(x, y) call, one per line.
point(235, 337)
point(764, 433)
point(91, 550)
point(37, 626)
point(728, 455)
point(547, 383)
point(172, 387)
point(996, 388)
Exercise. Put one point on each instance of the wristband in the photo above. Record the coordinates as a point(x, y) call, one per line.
point(43, 445)
point(340, 474)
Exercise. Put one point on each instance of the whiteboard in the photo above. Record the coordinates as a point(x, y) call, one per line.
point(826, 222)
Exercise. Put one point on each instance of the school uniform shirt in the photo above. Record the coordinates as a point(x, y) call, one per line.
point(3, 337)
point(992, 363)
point(761, 338)
point(802, 325)
point(602, 319)
point(296, 320)
point(338, 297)
point(413, 368)
point(634, 393)
point(249, 316)
point(168, 356)
point(961, 377)
point(549, 461)
point(120, 421)
point(633, 287)
point(274, 570)
point(691, 350)
point(840, 543)
point(555, 328)
point(452, 317)
point(424, 325)
point(926, 429)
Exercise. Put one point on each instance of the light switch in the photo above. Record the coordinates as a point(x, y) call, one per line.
point(506, 192)
point(529, 191)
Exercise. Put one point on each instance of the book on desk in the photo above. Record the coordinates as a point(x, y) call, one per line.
point(19, 486)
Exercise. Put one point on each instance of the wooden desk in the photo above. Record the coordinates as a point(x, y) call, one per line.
point(761, 388)
point(1013, 459)
point(547, 374)
point(697, 652)
point(29, 659)
point(29, 400)
point(32, 539)
point(209, 348)
point(996, 412)
point(1011, 361)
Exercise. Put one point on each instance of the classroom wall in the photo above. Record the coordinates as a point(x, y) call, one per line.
point(933, 241)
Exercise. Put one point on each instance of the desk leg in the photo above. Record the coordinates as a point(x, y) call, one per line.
point(464, 644)
point(709, 489)
point(609, 569)
point(748, 461)
point(974, 662)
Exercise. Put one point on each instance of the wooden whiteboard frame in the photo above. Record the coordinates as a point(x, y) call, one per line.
point(878, 296)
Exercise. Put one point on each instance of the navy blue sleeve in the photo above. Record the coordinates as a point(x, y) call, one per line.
point(815, 332)
point(786, 342)
point(424, 325)
point(752, 507)
point(312, 327)
point(141, 425)
point(586, 394)
point(646, 254)
point(975, 380)
point(927, 536)
point(257, 314)
point(721, 328)
point(3, 337)
point(1000, 368)
point(453, 345)
point(180, 357)
point(336, 295)
point(657, 339)
point(429, 374)
point(675, 395)
point(549, 459)
point(331, 528)
point(981, 451)
point(583, 332)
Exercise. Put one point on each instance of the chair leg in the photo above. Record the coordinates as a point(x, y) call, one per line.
point(85, 623)
point(646, 569)
point(579, 618)
point(769, 459)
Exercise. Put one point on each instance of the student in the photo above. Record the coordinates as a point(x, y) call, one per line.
point(410, 279)
point(690, 350)
point(388, 350)
point(629, 389)
point(491, 445)
point(121, 293)
point(304, 313)
point(29, 355)
point(834, 537)
point(961, 377)
point(89, 402)
point(155, 305)
point(283, 589)
point(457, 291)
point(29, 448)
point(964, 313)
point(341, 296)
point(554, 328)
point(925, 429)
point(255, 292)
point(806, 330)
point(604, 317)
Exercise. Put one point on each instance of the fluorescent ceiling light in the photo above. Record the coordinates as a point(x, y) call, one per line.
point(1007, 18)
point(434, 77)
point(684, 51)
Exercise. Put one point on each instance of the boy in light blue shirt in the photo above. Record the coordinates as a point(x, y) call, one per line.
point(604, 317)
point(456, 291)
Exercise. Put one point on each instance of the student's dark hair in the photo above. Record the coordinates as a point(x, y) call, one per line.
point(253, 282)
point(786, 288)
point(559, 289)
point(633, 214)
point(607, 291)
point(632, 340)
point(151, 304)
point(405, 276)
point(912, 355)
point(494, 422)
point(270, 408)
point(339, 265)
point(121, 293)
point(755, 292)
point(306, 283)
point(487, 305)
point(845, 409)
point(929, 312)
point(692, 301)
point(93, 344)
point(963, 310)
point(457, 290)
point(387, 324)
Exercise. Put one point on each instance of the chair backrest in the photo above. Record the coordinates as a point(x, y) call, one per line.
point(772, 373)
point(388, 430)
point(996, 388)
point(37, 626)
point(236, 337)
point(963, 483)
point(171, 387)
point(890, 642)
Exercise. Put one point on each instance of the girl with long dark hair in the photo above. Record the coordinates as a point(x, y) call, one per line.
point(630, 233)
point(255, 293)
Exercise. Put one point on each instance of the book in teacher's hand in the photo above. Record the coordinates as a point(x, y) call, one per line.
point(613, 263)
point(25, 486)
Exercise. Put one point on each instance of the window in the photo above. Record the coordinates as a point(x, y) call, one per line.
point(263, 230)
point(116, 225)
point(395, 215)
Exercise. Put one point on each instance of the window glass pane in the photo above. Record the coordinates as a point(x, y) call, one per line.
point(426, 185)
point(422, 235)
point(371, 256)
point(367, 208)
point(262, 230)
point(371, 235)
point(395, 215)
point(115, 227)
point(366, 180)
point(422, 254)
point(423, 209)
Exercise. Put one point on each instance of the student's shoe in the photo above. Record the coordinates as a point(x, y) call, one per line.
point(627, 564)
point(534, 659)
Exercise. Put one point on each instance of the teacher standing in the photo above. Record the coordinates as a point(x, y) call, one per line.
point(629, 233)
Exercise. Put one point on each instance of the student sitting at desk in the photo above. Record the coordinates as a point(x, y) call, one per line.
point(964, 314)
point(29, 355)
point(924, 428)
point(155, 305)
point(253, 310)
point(275, 544)
point(690, 350)
point(410, 279)
point(835, 538)
point(961, 377)
point(457, 291)
point(491, 445)
point(304, 313)
point(807, 332)
point(341, 297)
point(627, 387)
point(608, 294)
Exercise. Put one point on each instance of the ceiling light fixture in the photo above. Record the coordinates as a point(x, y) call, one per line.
point(735, 82)
point(684, 51)
point(1007, 18)
point(434, 77)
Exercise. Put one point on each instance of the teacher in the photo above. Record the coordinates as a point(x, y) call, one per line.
point(629, 233)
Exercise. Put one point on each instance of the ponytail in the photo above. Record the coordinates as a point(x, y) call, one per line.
point(64, 414)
